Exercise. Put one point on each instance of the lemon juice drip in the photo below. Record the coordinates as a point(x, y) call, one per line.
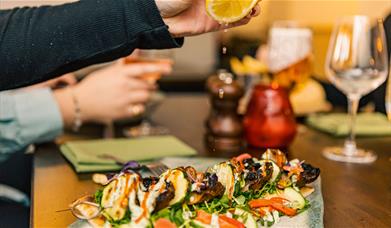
point(224, 48)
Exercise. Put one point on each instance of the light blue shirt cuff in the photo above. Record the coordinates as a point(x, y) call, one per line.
point(28, 117)
point(39, 115)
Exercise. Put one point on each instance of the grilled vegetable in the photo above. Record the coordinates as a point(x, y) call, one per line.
point(180, 183)
point(257, 178)
point(246, 218)
point(296, 200)
point(115, 196)
point(148, 181)
point(210, 192)
point(164, 199)
point(275, 203)
point(276, 170)
point(310, 174)
point(222, 220)
point(225, 175)
point(198, 224)
point(275, 155)
point(164, 223)
point(219, 197)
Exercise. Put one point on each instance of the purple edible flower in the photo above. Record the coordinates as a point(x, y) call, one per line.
point(131, 165)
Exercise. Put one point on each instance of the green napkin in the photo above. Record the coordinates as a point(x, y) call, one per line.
point(337, 124)
point(85, 156)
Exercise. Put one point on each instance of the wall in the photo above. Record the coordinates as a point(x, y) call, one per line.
point(317, 14)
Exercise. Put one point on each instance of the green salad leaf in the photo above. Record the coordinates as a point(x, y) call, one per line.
point(98, 196)
point(174, 214)
point(125, 220)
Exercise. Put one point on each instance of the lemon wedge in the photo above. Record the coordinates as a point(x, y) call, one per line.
point(228, 11)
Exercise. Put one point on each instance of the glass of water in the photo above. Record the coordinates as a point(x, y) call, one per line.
point(356, 64)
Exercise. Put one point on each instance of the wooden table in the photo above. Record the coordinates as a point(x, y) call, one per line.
point(354, 195)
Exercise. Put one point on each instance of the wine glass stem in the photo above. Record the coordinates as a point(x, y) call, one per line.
point(350, 148)
point(388, 97)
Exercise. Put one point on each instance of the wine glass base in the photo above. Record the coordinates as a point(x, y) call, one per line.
point(146, 129)
point(360, 156)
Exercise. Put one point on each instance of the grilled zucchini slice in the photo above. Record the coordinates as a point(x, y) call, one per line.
point(181, 185)
point(226, 177)
point(115, 199)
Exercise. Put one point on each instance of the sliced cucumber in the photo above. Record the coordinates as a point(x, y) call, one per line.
point(276, 169)
point(225, 175)
point(295, 198)
point(246, 218)
point(181, 185)
point(198, 224)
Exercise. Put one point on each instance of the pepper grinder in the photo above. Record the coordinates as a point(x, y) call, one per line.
point(224, 130)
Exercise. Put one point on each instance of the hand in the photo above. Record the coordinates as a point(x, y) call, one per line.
point(172, 7)
point(111, 93)
point(189, 17)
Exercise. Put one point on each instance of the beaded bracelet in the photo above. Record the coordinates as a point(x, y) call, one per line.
point(77, 122)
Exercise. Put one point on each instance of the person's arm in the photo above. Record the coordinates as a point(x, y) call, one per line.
point(37, 44)
point(27, 117)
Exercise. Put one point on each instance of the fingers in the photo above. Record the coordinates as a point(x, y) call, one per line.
point(137, 84)
point(255, 11)
point(136, 105)
point(135, 109)
point(241, 22)
point(139, 69)
point(138, 96)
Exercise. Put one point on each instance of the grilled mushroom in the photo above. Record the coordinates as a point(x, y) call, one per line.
point(256, 179)
point(309, 175)
point(148, 181)
point(211, 188)
point(209, 193)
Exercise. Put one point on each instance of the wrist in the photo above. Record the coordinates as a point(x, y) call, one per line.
point(70, 108)
point(64, 102)
point(173, 29)
point(77, 116)
point(79, 98)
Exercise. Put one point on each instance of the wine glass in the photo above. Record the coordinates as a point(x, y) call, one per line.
point(356, 64)
point(147, 127)
point(388, 95)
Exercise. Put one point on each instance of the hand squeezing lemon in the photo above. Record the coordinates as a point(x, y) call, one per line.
point(229, 11)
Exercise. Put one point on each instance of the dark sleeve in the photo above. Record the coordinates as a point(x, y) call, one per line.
point(37, 44)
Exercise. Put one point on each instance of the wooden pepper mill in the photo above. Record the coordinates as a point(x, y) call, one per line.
point(224, 132)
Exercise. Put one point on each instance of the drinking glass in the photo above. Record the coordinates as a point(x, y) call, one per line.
point(388, 95)
point(147, 127)
point(356, 64)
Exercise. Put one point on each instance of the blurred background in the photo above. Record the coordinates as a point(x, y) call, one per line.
point(201, 56)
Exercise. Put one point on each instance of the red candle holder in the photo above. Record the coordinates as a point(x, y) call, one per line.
point(269, 121)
